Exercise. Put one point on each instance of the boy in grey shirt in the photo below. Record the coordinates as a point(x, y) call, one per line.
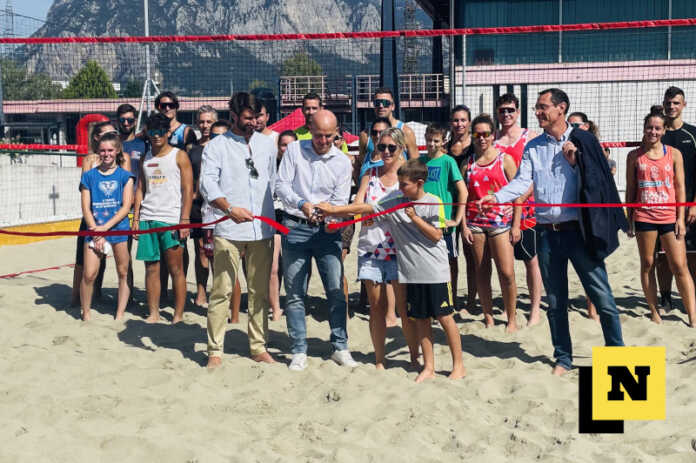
point(422, 259)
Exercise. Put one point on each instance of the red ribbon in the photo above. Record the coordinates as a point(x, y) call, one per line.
point(336, 226)
point(361, 35)
point(281, 228)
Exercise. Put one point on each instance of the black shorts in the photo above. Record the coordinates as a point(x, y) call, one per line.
point(196, 233)
point(660, 228)
point(525, 249)
point(429, 300)
point(279, 218)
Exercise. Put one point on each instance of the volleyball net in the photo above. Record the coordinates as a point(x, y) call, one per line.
point(613, 72)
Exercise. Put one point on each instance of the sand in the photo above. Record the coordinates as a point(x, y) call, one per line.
point(127, 391)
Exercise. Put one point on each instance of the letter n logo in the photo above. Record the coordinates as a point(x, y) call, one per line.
point(628, 383)
point(622, 376)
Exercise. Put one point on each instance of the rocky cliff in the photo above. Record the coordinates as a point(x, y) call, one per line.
point(208, 68)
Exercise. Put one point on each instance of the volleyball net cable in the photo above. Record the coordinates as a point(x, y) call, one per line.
point(613, 72)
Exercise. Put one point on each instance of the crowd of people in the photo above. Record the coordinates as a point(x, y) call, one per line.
point(472, 192)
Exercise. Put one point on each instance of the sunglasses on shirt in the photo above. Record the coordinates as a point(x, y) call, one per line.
point(129, 120)
point(381, 102)
point(383, 148)
point(253, 173)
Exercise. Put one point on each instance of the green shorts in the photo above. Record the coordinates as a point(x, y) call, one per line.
point(152, 245)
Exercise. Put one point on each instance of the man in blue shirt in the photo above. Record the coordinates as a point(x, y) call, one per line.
point(549, 162)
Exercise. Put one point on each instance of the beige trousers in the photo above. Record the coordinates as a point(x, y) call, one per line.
point(226, 266)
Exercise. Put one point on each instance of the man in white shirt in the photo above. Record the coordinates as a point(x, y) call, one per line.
point(238, 175)
point(314, 171)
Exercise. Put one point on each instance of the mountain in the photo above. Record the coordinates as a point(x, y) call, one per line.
point(211, 68)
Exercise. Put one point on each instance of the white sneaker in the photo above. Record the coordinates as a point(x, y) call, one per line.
point(343, 358)
point(299, 362)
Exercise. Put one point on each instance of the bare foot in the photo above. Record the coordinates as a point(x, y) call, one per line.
point(119, 316)
point(488, 320)
point(264, 357)
point(425, 374)
point(214, 362)
point(201, 301)
point(559, 370)
point(379, 366)
point(534, 318)
point(86, 316)
point(457, 373)
point(655, 318)
point(152, 319)
point(233, 319)
point(177, 319)
point(511, 327)
point(392, 322)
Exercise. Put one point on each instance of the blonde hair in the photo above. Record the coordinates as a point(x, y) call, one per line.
point(395, 134)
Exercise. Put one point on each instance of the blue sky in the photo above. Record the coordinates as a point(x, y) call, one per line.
point(33, 8)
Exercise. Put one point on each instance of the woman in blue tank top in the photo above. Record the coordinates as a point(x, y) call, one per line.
point(180, 134)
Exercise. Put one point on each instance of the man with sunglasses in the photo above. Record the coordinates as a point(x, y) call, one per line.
point(511, 139)
point(237, 178)
point(180, 135)
point(314, 171)
point(163, 198)
point(552, 165)
point(383, 103)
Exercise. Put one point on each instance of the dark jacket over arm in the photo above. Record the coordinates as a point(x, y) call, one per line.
point(600, 225)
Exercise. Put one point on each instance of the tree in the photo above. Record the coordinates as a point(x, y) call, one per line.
point(90, 82)
point(301, 64)
point(132, 89)
point(17, 84)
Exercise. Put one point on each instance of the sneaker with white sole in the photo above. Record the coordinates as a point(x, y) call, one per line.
point(298, 362)
point(343, 358)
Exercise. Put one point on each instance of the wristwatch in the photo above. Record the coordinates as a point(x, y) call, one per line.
point(228, 210)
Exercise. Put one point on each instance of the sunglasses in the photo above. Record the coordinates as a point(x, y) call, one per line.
point(481, 134)
point(506, 110)
point(253, 173)
point(157, 133)
point(168, 106)
point(109, 132)
point(382, 103)
point(576, 125)
point(375, 133)
point(383, 148)
point(128, 120)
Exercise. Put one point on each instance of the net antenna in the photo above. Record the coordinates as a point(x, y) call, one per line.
point(150, 88)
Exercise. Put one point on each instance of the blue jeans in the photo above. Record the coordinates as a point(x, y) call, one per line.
point(554, 250)
point(299, 246)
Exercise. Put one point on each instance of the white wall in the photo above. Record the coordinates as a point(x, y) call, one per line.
point(618, 108)
point(25, 192)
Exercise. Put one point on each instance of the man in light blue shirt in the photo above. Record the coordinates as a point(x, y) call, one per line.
point(238, 174)
point(549, 162)
point(314, 171)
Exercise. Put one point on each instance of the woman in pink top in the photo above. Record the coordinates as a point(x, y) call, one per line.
point(655, 174)
point(489, 171)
